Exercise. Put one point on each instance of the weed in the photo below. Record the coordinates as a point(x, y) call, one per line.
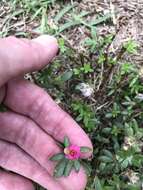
point(112, 116)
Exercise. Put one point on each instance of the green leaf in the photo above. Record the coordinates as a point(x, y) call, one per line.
point(57, 157)
point(131, 46)
point(60, 144)
point(77, 165)
point(106, 130)
point(66, 142)
point(60, 168)
point(66, 76)
point(108, 153)
point(68, 168)
point(97, 184)
point(86, 167)
point(105, 159)
point(85, 149)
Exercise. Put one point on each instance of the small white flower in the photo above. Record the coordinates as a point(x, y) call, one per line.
point(129, 141)
point(85, 89)
point(134, 178)
point(125, 147)
point(139, 96)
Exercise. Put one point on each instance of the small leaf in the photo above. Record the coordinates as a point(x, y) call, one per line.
point(68, 168)
point(97, 184)
point(61, 145)
point(105, 159)
point(66, 142)
point(77, 165)
point(57, 157)
point(86, 167)
point(60, 168)
point(85, 149)
point(108, 153)
point(66, 76)
point(106, 130)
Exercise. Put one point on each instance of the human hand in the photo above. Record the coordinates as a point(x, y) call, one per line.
point(28, 133)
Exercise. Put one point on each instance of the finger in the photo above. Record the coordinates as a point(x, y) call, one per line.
point(20, 56)
point(15, 182)
point(14, 159)
point(30, 100)
point(26, 134)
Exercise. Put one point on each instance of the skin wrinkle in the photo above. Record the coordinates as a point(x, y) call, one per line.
point(23, 135)
point(3, 93)
point(31, 139)
point(29, 91)
point(16, 156)
point(8, 180)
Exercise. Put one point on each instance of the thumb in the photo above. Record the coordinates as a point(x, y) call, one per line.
point(19, 56)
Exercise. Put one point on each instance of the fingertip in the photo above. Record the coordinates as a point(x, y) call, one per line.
point(46, 40)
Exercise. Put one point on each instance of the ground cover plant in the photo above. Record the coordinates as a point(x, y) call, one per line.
point(102, 89)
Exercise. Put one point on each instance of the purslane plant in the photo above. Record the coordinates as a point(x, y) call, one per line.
point(70, 159)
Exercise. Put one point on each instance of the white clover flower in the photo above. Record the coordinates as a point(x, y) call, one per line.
point(85, 89)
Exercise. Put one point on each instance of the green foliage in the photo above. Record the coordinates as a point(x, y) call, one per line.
point(84, 114)
point(131, 46)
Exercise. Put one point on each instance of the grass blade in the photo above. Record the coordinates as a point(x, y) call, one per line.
point(100, 20)
point(64, 11)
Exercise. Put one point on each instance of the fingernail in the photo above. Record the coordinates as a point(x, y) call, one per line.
point(46, 39)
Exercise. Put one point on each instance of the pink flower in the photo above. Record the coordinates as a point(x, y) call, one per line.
point(72, 152)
